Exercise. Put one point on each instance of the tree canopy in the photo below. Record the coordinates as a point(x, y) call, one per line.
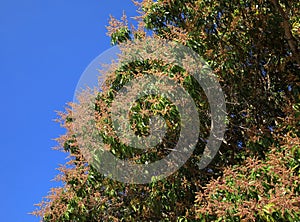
point(253, 48)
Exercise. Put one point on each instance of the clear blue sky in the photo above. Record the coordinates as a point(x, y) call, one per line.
point(44, 48)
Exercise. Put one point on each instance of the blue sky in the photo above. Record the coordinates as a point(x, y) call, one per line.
point(44, 48)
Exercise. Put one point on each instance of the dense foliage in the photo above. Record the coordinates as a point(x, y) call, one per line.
point(253, 47)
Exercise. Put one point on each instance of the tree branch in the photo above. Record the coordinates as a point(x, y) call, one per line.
point(292, 42)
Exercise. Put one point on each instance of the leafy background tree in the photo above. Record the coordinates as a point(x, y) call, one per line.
point(253, 48)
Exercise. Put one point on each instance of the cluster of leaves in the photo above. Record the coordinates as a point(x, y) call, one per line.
point(257, 190)
point(253, 49)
